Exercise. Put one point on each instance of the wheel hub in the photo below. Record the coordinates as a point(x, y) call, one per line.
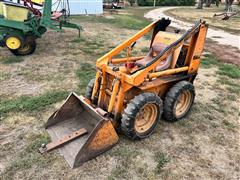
point(146, 118)
point(182, 104)
point(13, 43)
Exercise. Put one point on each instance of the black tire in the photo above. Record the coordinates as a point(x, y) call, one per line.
point(28, 49)
point(20, 38)
point(132, 110)
point(170, 111)
point(89, 89)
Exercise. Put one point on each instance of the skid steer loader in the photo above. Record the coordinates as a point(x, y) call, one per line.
point(130, 94)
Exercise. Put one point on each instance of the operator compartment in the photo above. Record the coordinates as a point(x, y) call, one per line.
point(161, 41)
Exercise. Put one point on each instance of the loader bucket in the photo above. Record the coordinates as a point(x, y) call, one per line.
point(74, 115)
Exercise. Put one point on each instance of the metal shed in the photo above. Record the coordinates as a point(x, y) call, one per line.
point(86, 6)
point(80, 6)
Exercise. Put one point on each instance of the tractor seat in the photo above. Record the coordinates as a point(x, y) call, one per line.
point(56, 15)
point(154, 51)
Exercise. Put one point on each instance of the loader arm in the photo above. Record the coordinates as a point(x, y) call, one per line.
point(104, 60)
point(137, 77)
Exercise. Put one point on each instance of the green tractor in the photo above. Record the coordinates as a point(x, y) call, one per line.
point(22, 23)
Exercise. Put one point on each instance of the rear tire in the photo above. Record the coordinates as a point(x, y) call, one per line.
point(178, 101)
point(28, 49)
point(89, 89)
point(141, 116)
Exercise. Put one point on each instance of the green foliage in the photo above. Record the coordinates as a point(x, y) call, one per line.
point(161, 159)
point(134, 20)
point(228, 124)
point(229, 70)
point(85, 73)
point(208, 61)
point(167, 2)
point(35, 141)
point(29, 103)
point(29, 157)
point(131, 2)
point(11, 60)
point(231, 84)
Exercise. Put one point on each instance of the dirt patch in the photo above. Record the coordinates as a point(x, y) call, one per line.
point(224, 53)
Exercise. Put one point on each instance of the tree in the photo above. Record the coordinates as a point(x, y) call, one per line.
point(200, 4)
point(208, 3)
point(228, 4)
point(131, 2)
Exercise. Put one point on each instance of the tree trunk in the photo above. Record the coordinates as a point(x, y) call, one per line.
point(200, 4)
point(208, 3)
point(228, 4)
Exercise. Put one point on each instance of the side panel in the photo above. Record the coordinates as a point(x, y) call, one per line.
point(160, 86)
point(198, 49)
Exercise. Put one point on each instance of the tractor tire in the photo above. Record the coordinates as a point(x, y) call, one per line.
point(28, 49)
point(89, 89)
point(13, 41)
point(178, 101)
point(141, 116)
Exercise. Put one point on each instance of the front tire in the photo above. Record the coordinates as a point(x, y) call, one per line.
point(28, 49)
point(89, 89)
point(141, 116)
point(178, 101)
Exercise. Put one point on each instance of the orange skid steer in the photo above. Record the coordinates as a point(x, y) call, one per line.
point(130, 94)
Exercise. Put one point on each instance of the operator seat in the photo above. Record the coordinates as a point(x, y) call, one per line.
point(161, 41)
point(154, 51)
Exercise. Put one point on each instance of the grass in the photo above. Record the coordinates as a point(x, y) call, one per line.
point(234, 89)
point(229, 70)
point(193, 14)
point(89, 46)
point(26, 160)
point(209, 61)
point(232, 85)
point(4, 76)
point(35, 141)
point(11, 60)
point(126, 157)
point(133, 20)
point(30, 104)
point(85, 73)
point(228, 124)
point(161, 159)
point(219, 139)
point(78, 40)
point(119, 172)
point(29, 157)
